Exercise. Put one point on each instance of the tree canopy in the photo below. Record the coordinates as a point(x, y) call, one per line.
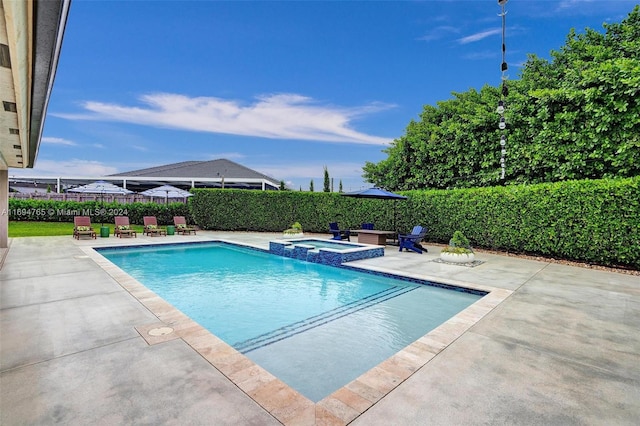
point(576, 116)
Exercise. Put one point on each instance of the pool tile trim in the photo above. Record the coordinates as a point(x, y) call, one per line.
point(284, 403)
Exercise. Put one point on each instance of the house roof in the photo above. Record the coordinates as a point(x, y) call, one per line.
point(200, 169)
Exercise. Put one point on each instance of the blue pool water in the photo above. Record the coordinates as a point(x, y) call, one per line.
point(316, 327)
point(326, 244)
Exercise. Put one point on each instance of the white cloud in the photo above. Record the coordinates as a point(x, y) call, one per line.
point(57, 141)
point(73, 167)
point(227, 155)
point(568, 4)
point(438, 33)
point(479, 36)
point(276, 116)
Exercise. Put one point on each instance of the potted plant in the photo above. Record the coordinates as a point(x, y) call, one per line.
point(294, 231)
point(459, 249)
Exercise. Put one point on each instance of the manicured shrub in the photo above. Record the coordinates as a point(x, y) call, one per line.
point(64, 211)
point(596, 221)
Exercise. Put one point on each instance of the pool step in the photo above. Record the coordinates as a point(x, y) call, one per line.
point(320, 319)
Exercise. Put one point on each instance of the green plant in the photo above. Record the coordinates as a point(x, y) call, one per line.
point(458, 244)
point(296, 228)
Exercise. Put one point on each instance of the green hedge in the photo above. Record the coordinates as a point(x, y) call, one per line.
point(595, 221)
point(64, 211)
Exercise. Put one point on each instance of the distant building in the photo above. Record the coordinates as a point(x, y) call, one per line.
point(219, 173)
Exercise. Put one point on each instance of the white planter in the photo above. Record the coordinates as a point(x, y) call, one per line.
point(457, 257)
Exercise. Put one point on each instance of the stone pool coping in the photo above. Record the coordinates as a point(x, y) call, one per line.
point(284, 403)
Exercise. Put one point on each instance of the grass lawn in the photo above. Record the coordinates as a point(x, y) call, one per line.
point(48, 229)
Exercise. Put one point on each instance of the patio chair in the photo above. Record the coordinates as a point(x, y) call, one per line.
point(412, 241)
point(181, 226)
point(123, 228)
point(367, 225)
point(339, 234)
point(82, 226)
point(151, 227)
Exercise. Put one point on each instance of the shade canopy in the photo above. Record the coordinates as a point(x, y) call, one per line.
point(375, 193)
point(380, 194)
point(101, 187)
point(166, 191)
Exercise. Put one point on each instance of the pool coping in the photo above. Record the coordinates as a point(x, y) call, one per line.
point(284, 403)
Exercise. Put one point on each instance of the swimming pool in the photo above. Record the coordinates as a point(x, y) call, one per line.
point(313, 326)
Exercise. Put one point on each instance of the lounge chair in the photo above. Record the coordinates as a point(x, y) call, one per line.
point(339, 234)
point(181, 226)
point(82, 226)
point(151, 227)
point(123, 228)
point(412, 241)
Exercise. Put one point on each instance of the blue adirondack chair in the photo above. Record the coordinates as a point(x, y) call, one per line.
point(412, 241)
point(339, 234)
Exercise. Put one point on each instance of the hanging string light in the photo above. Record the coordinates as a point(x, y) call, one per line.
point(502, 124)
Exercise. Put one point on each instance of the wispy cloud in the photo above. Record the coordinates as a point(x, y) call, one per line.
point(479, 36)
point(276, 116)
point(227, 155)
point(476, 56)
point(57, 141)
point(439, 33)
point(568, 4)
point(73, 167)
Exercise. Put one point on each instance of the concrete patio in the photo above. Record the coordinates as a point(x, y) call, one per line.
point(561, 347)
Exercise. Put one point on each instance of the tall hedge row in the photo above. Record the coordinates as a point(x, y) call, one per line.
point(595, 221)
point(64, 211)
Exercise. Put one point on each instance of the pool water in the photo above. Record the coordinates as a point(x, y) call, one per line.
point(326, 244)
point(315, 327)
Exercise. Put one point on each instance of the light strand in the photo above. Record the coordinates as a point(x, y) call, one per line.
point(502, 124)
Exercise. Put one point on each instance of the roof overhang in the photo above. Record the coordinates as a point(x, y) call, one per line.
point(31, 35)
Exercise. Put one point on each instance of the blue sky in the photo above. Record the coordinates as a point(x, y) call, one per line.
point(284, 88)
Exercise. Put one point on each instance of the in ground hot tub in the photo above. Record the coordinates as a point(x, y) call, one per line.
point(326, 252)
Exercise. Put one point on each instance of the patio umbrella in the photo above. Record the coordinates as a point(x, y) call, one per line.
point(100, 187)
point(380, 194)
point(166, 191)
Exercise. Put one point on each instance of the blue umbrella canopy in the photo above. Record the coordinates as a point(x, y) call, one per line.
point(375, 193)
point(380, 194)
